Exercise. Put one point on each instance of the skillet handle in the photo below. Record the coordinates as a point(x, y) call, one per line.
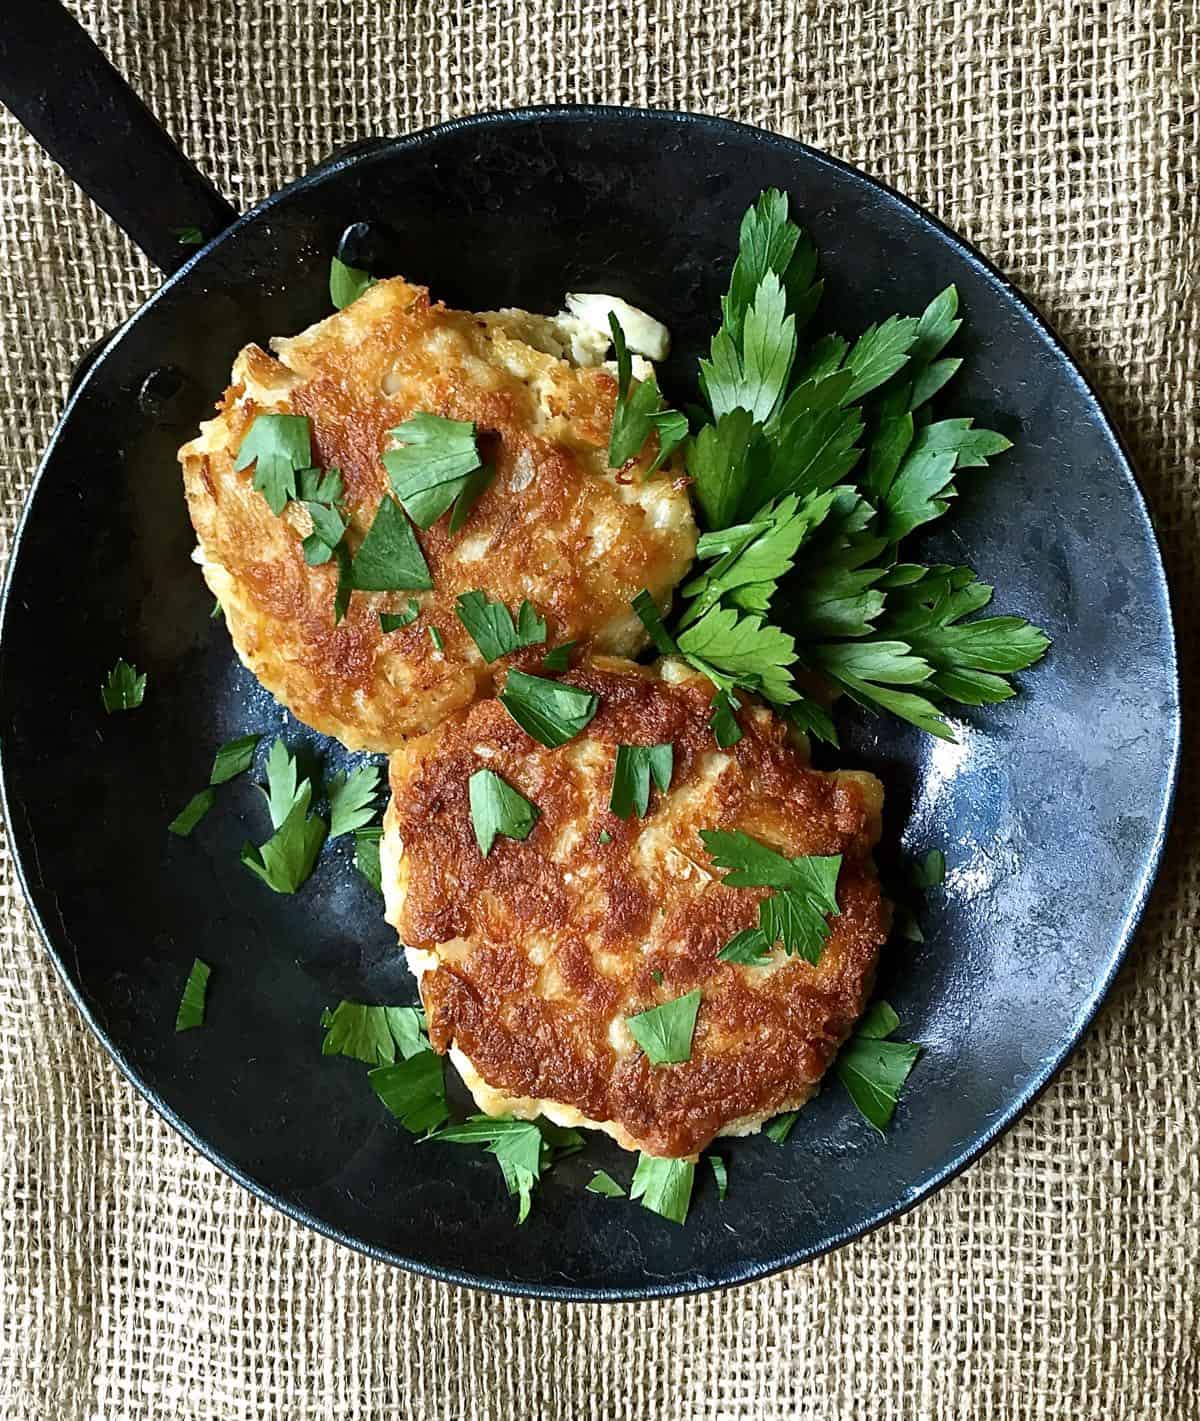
point(71, 99)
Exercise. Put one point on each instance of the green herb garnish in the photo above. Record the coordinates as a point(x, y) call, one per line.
point(639, 412)
point(124, 689)
point(414, 1090)
point(233, 758)
point(558, 658)
point(435, 637)
point(665, 1032)
point(873, 1069)
point(278, 445)
point(191, 1003)
point(603, 1183)
point(287, 858)
point(633, 770)
point(497, 808)
point(664, 1186)
point(390, 559)
point(795, 913)
point(366, 855)
point(721, 1175)
point(192, 813)
point(375, 1035)
point(188, 236)
point(524, 1149)
point(492, 627)
point(432, 464)
point(550, 711)
point(352, 799)
point(781, 1127)
point(393, 621)
point(347, 283)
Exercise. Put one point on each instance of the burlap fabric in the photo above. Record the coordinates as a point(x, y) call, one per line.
point(1058, 1277)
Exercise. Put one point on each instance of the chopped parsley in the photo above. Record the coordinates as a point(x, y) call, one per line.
point(473, 489)
point(233, 758)
point(665, 1032)
point(497, 808)
point(550, 711)
point(795, 914)
point(639, 412)
point(413, 1090)
point(279, 446)
point(375, 1035)
point(523, 1148)
point(432, 464)
point(393, 621)
point(123, 689)
point(347, 283)
point(664, 1186)
point(492, 628)
point(435, 637)
point(930, 871)
point(352, 799)
point(604, 837)
point(366, 855)
point(721, 1175)
point(285, 861)
point(873, 1069)
point(558, 658)
point(389, 558)
point(633, 770)
point(191, 1003)
point(781, 1127)
point(188, 236)
point(192, 813)
point(603, 1183)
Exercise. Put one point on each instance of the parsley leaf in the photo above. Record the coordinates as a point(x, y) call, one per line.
point(603, 1183)
point(287, 858)
point(558, 658)
point(191, 1003)
point(347, 283)
point(651, 618)
point(929, 872)
point(781, 1127)
point(123, 689)
point(550, 711)
point(431, 467)
point(233, 758)
point(634, 767)
point(188, 236)
point(720, 1174)
point(351, 799)
point(752, 373)
point(491, 625)
point(374, 1035)
point(751, 947)
point(872, 1069)
point(390, 559)
point(664, 1186)
point(497, 808)
point(604, 837)
point(878, 353)
point(282, 782)
point(471, 492)
point(796, 913)
point(725, 460)
point(278, 445)
point(366, 855)
point(665, 1032)
point(393, 621)
point(192, 813)
point(413, 1090)
point(639, 412)
point(435, 637)
point(723, 721)
point(746, 650)
point(524, 1149)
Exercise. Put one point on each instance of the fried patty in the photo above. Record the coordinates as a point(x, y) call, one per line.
point(556, 525)
point(530, 959)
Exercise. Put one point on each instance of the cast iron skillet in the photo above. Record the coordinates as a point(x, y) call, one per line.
point(1051, 809)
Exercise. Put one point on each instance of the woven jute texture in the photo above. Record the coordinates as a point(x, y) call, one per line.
point(1058, 1277)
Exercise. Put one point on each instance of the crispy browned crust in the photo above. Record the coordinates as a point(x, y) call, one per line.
point(543, 944)
point(556, 526)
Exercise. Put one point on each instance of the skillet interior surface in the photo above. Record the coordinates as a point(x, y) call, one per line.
point(1051, 809)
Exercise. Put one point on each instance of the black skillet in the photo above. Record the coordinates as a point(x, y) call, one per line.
point(1051, 809)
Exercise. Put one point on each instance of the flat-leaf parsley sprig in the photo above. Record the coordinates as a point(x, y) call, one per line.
point(819, 458)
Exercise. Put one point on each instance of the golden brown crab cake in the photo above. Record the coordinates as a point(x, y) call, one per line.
point(556, 526)
point(531, 959)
